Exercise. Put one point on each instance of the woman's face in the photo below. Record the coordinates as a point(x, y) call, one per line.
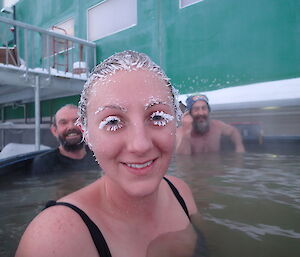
point(131, 129)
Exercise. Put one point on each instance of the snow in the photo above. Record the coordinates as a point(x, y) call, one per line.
point(53, 72)
point(13, 149)
point(281, 90)
point(79, 65)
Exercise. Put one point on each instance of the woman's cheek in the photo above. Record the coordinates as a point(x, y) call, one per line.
point(167, 140)
point(106, 144)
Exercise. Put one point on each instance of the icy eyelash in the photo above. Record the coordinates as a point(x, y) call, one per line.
point(112, 127)
point(166, 118)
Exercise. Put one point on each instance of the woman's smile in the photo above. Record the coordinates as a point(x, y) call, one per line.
point(139, 168)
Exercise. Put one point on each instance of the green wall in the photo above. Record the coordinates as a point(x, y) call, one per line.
point(206, 46)
point(47, 108)
point(215, 44)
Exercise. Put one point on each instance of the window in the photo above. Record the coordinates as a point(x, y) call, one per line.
point(54, 46)
point(185, 3)
point(111, 16)
point(66, 28)
point(9, 3)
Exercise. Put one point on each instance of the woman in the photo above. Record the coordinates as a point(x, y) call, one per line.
point(128, 116)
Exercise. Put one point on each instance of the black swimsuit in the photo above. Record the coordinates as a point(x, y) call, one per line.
point(95, 232)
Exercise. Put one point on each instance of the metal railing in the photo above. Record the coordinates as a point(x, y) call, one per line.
point(36, 49)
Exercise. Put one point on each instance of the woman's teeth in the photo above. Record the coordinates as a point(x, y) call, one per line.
point(139, 166)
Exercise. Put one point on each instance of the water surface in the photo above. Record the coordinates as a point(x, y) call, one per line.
point(250, 203)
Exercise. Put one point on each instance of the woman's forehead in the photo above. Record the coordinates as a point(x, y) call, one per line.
point(129, 86)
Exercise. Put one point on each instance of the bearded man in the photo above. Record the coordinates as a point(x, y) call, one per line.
point(200, 134)
point(72, 153)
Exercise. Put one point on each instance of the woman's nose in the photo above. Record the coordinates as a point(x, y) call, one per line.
point(139, 139)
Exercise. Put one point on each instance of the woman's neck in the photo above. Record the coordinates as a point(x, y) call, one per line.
point(125, 206)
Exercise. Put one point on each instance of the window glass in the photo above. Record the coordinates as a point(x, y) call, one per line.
point(65, 27)
point(184, 3)
point(111, 16)
point(58, 45)
point(8, 3)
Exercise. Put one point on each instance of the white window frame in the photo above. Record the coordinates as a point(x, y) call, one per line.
point(181, 5)
point(9, 3)
point(111, 33)
point(64, 22)
point(69, 47)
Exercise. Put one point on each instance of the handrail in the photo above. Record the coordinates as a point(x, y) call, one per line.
point(39, 50)
point(44, 31)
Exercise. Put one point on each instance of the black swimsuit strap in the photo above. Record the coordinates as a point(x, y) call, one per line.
point(95, 232)
point(179, 197)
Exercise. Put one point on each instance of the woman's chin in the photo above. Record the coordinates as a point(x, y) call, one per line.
point(142, 189)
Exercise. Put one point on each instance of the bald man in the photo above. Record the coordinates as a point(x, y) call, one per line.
point(71, 153)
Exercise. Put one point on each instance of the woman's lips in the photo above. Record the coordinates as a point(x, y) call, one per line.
point(140, 168)
point(139, 165)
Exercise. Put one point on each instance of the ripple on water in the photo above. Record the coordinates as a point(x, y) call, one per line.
point(254, 231)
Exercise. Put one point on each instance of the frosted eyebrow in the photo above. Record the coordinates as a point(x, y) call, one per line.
point(117, 107)
point(155, 102)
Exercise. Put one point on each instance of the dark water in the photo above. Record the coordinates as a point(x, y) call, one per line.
point(23, 196)
point(250, 203)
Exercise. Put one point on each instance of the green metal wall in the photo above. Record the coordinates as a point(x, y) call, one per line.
point(48, 108)
point(215, 44)
point(206, 46)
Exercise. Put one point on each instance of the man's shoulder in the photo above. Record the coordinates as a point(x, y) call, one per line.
point(45, 156)
point(90, 160)
point(43, 162)
point(225, 128)
point(219, 124)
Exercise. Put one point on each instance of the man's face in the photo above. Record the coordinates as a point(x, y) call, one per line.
point(68, 134)
point(200, 115)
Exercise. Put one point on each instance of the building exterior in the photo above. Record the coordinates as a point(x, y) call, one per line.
point(203, 45)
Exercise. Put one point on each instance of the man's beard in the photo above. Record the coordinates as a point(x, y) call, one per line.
point(71, 145)
point(200, 127)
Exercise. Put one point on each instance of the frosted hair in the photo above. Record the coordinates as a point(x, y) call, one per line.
point(126, 61)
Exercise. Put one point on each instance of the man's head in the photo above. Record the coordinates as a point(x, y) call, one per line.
point(64, 129)
point(199, 109)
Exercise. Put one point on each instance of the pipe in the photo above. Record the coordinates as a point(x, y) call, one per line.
point(37, 113)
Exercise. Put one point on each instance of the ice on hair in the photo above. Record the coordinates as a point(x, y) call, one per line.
point(127, 61)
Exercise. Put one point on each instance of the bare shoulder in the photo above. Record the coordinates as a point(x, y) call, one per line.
point(224, 127)
point(218, 123)
point(185, 192)
point(56, 231)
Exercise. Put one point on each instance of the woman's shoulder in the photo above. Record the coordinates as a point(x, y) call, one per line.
point(185, 192)
point(54, 232)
